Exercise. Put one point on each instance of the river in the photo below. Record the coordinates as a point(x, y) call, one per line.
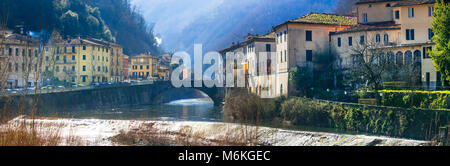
point(97, 127)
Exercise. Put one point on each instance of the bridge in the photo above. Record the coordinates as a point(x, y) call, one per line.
point(112, 97)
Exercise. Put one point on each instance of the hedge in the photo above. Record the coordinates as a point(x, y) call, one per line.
point(390, 121)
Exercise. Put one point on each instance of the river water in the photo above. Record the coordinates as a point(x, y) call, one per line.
point(190, 110)
point(201, 109)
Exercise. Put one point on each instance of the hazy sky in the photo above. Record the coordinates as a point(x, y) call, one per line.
point(218, 23)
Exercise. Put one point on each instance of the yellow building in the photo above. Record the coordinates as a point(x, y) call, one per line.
point(144, 67)
point(79, 61)
point(401, 27)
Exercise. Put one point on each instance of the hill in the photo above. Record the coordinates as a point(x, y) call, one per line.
point(114, 21)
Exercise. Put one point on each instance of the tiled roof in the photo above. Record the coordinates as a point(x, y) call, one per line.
point(390, 25)
point(375, 1)
point(328, 19)
point(414, 2)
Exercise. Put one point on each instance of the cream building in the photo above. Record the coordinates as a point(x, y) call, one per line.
point(405, 33)
point(19, 60)
point(251, 50)
point(300, 42)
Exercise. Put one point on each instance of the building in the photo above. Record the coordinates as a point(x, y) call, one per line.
point(116, 60)
point(126, 67)
point(251, 50)
point(401, 27)
point(81, 61)
point(302, 41)
point(19, 60)
point(144, 67)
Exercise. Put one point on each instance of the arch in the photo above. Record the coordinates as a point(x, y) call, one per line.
point(180, 94)
point(399, 58)
point(417, 56)
point(408, 57)
point(378, 38)
point(391, 58)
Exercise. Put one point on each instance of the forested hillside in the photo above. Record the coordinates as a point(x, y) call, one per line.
point(111, 20)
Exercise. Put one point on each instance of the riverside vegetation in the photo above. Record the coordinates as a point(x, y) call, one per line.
point(413, 123)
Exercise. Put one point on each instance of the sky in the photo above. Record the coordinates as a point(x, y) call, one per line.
point(179, 24)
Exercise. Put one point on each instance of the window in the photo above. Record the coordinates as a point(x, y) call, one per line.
point(350, 41)
point(430, 11)
point(411, 12)
point(98, 68)
point(10, 51)
point(430, 34)
point(84, 57)
point(362, 40)
point(73, 49)
point(84, 47)
point(46, 58)
point(386, 38)
point(73, 68)
point(339, 42)
point(308, 35)
point(409, 34)
point(84, 68)
point(365, 18)
point(278, 38)
point(57, 58)
point(378, 38)
point(388, 5)
point(285, 55)
point(309, 55)
point(148, 66)
point(285, 36)
point(141, 67)
point(73, 79)
point(370, 5)
point(397, 14)
point(426, 52)
point(73, 57)
point(84, 78)
point(17, 52)
point(267, 47)
point(65, 49)
point(57, 68)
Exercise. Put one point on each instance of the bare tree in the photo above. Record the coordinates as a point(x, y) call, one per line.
point(371, 62)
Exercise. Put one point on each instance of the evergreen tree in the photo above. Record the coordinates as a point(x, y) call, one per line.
point(441, 28)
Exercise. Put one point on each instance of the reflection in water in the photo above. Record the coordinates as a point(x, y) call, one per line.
point(179, 110)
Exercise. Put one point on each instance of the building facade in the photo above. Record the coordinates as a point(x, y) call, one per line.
point(19, 60)
point(80, 61)
point(144, 67)
point(301, 42)
point(401, 28)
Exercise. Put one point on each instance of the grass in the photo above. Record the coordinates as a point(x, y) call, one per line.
point(29, 133)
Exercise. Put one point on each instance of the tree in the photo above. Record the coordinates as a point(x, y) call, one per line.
point(441, 28)
point(300, 79)
point(371, 63)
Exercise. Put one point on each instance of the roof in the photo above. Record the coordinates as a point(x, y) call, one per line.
point(414, 2)
point(270, 37)
point(323, 19)
point(375, 1)
point(389, 25)
point(144, 56)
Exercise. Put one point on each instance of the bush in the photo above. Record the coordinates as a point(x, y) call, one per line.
point(398, 122)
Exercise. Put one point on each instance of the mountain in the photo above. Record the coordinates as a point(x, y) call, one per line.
point(110, 20)
point(218, 23)
point(345, 6)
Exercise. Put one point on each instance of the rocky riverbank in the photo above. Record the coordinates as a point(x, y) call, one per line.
point(131, 132)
